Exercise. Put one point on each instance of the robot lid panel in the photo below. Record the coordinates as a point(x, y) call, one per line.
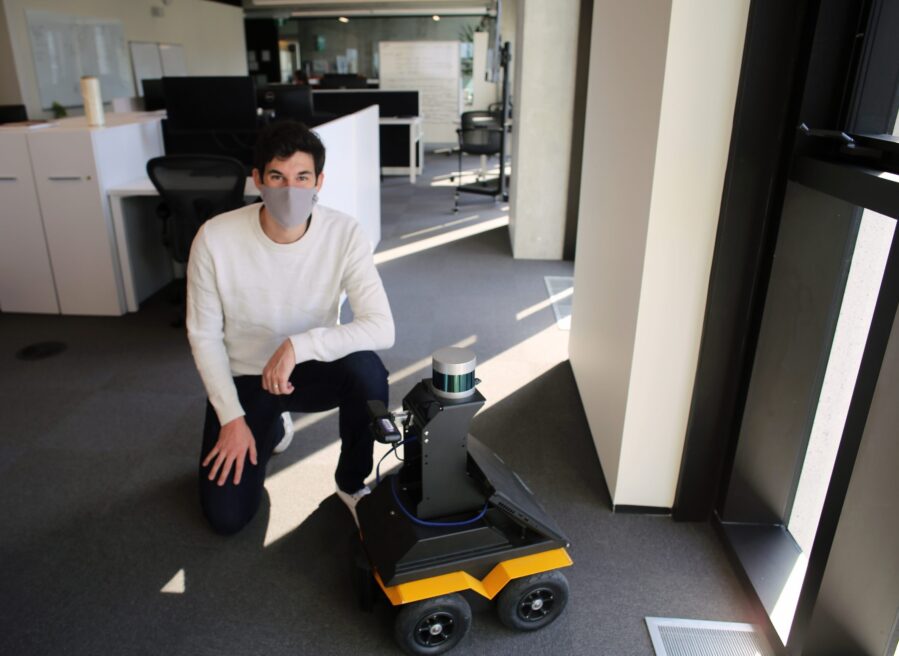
point(454, 361)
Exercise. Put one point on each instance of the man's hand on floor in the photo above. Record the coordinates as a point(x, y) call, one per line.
point(234, 443)
point(276, 375)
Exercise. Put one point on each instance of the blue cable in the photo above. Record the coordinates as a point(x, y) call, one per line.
point(422, 522)
point(400, 505)
point(393, 451)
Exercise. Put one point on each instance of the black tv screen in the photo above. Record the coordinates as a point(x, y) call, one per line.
point(287, 100)
point(210, 103)
point(390, 103)
point(154, 98)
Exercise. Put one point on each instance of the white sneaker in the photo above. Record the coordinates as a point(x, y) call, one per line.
point(352, 499)
point(287, 421)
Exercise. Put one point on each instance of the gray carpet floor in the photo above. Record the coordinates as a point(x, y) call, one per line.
point(103, 549)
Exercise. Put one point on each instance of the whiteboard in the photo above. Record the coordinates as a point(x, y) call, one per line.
point(146, 62)
point(434, 69)
point(152, 61)
point(65, 48)
point(172, 56)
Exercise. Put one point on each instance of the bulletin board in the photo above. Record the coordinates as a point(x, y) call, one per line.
point(434, 69)
point(65, 48)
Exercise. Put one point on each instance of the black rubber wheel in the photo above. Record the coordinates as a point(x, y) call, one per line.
point(532, 602)
point(432, 626)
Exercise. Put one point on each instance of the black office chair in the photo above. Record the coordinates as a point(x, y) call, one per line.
point(481, 119)
point(484, 139)
point(193, 188)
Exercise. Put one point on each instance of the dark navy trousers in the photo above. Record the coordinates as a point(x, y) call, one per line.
point(346, 384)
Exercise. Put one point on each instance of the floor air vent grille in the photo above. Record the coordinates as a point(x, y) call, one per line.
point(675, 637)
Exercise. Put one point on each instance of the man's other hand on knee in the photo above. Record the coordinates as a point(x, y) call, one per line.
point(234, 445)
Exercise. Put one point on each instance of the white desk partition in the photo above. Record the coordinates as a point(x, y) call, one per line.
point(352, 185)
point(352, 168)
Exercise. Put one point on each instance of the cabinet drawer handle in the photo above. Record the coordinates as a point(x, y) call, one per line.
point(8, 178)
point(64, 177)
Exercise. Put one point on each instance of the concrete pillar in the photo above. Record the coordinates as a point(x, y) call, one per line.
point(10, 92)
point(545, 58)
point(660, 103)
point(484, 92)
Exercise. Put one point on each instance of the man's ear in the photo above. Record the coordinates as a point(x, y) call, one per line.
point(257, 178)
point(320, 181)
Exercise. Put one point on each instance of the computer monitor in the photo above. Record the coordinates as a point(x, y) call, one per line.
point(13, 113)
point(154, 97)
point(210, 103)
point(390, 103)
point(343, 81)
point(287, 101)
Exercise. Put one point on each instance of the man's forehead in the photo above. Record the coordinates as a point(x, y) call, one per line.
point(296, 163)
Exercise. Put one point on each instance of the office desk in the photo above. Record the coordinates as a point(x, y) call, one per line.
point(415, 143)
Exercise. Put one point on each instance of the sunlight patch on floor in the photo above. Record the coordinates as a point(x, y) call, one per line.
point(506, 373)
point(306, 420)
point(176, 585)
point(424, 231)
point(440, 240)
point(536, 307)
point(444, 177)
point(292, 490)
point(469, 176)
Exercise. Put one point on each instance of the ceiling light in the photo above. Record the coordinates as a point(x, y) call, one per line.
point(435, 17)
point(344, 19)
point(445, 11)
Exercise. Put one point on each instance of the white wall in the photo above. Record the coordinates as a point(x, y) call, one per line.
point(545, 58)
point(211, 33)
point(662, 89)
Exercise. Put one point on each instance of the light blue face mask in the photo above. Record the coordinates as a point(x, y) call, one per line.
point(289, 206)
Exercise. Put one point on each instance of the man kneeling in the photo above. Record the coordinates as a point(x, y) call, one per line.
point(264, 285)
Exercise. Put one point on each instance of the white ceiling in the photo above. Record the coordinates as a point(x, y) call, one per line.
point(285, 8)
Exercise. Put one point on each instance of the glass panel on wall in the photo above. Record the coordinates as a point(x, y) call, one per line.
point(350, 45)
point(828, 269)
point(869, 259)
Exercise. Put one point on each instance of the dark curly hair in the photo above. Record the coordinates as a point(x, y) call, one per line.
point(280, 140)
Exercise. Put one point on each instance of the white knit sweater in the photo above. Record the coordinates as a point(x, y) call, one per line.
point(246, 294)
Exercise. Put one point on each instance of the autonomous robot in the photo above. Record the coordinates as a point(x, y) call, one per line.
point(454, 521)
